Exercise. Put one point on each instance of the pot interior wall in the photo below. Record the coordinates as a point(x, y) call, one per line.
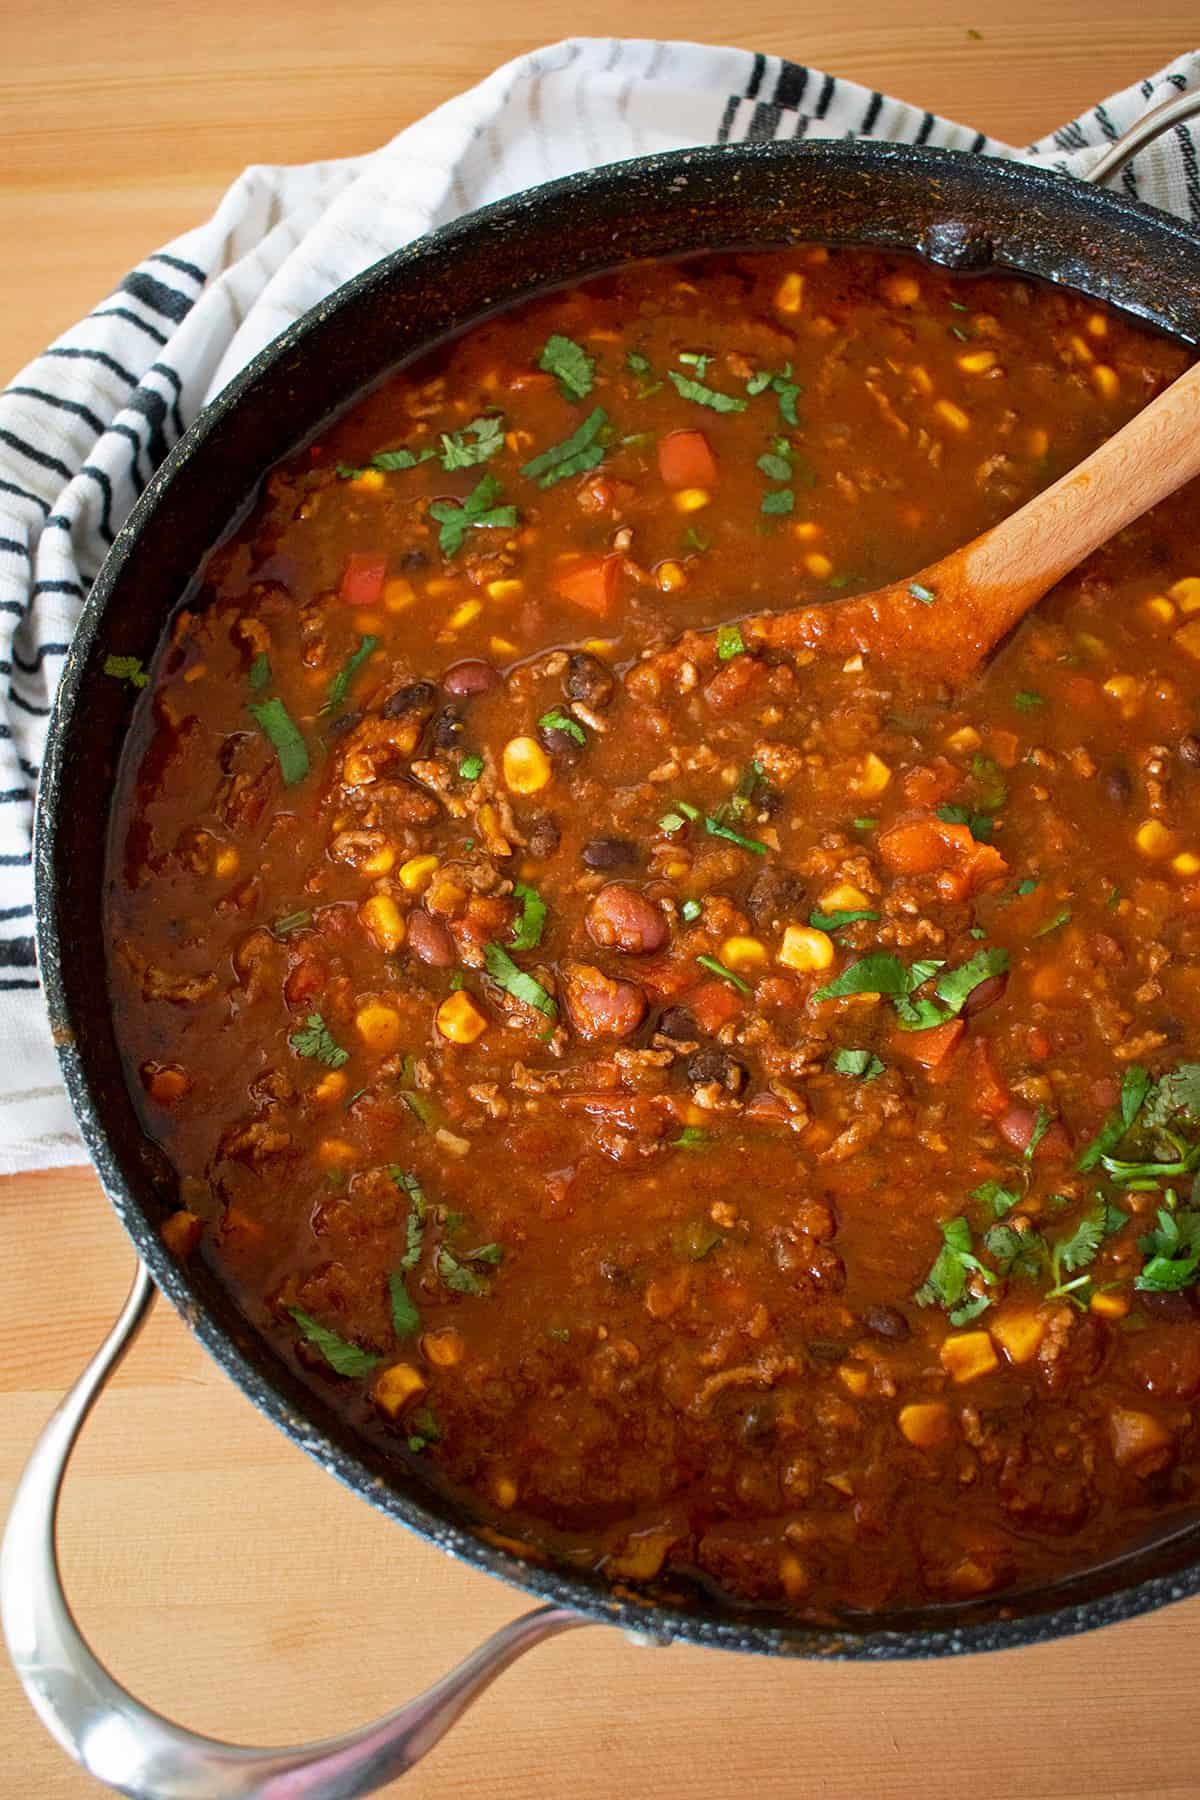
point(959, 210)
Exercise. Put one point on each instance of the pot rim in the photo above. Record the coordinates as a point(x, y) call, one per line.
point(856, 1639)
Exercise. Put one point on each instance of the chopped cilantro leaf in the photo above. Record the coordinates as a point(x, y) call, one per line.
point(730, 642)
point(286, 736)
point(471, 767)
point(862, 1064)
point(457, 453)
point(1060, 918)
point(405, 1318)
point(775, 467)
point(690, 911)
point(999, 1199)
point(343, 1358)
point(833, 921)
point(920, 592)
point(504, 971)
point(477, 511)
point(946, 1283)
point(570, 365)
point(865, 824)
point(527, 934)
point(695, 540)
point(692, 1137)
point(126, 668)
point(423, 1430)
point(778, 501)
point(316, 1043)
point(457, 1277)
point(715, 828)
point(638, 363)
point(388, 461)
point(573, 456)
point(1028, 886)
point(687, 389)
point(979, 824)
point(290, 922)
point(1027, 700)
point(339, 687)
point(558, 720)
point(696, 359)
point(718, 968)
point(260, 671)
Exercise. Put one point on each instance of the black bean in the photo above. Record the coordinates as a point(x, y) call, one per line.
point(759, 1423)
point(560, 744)
point(715, 1065)
point(609, 853)
point(344, 722)
point(1189, 750)
point(886, 1322)
point(471, 677)
point(447, 729)
point(415, 697)
point(588, 678)
point(1118, 784)
point(774, 896)
point(985, 993)
point(677, 1022)
point(544, 835)
point(414, 559)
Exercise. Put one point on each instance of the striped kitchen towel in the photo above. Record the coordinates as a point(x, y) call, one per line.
point(84, 425)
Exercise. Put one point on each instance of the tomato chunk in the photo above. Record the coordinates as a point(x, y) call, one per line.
point(713, 1004)
point(592, 583)
point(685, 460)
point(989, 1095)
point(362, 578)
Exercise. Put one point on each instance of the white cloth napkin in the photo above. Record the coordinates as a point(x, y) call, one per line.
point(83, 426)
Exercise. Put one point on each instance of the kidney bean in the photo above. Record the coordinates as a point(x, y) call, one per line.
point(986, 994)
point(609, 853)
point(544, 835)
point(416, 697)
point(598, 1006)
point(621, 918)
point(430, 941)
point(588, 678)
point(470, 677)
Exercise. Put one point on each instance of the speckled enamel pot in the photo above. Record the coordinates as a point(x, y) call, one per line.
point(965, 212)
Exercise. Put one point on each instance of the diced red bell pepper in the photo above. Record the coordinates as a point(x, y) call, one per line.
point(929, 1047)
point(989, 1095)
point(362, 578)
point(592, 583)
point(685, 460)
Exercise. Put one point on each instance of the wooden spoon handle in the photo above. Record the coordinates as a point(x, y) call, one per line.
point(998, 577)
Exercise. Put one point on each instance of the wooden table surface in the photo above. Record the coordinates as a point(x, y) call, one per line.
point(222, 1574)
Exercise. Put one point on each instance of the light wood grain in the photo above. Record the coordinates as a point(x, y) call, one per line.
point(222, 1573)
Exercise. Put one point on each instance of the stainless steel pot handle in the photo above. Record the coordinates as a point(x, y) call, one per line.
point(137, 1751)
point(1142, 132)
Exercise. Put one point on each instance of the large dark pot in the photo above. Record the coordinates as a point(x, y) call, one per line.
point(966, 212)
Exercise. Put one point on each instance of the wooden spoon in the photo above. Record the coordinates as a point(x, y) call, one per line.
point(947, 617)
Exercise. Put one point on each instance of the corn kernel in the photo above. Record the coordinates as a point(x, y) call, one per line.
point(459, 1019)
point(953, 415)
point(873, 776)
point(1188, 638)
point(1083, 352)
point(509, 588)
point(1110, 1306)
point(335, 1153)
point(417, 873)
point(1106, 381)
point(441, 586)
point(789, 295)
point(465, 614)
point(526, 766)
point(925, 1423)
point(853, 665)
point(675, 871)
point(1136, 1436)
point(380, 862)
point(690, 500)
point(196, 672)
point(398, 594)
point(379, 1027)
point(1153, 839)
point(818, 565)
point(856, 1381)
point(371, 479)
point(1186, 593)
point(384, 922)
point(1158, 610)
point(743, 953)
point(1126, 690)
point(1186, 863)
point(397, 1386)
point(226, 863)
point(502, 647)
point(182, 1232)
point(1019, 1335)
point(670, 577)
point(805, 948)
point(976, 362)
point(793, 1576)
point(843, 897)
point(1098, 325)
point(504, 1491)
point(966, 1355)
point(921, 379)
point(964, 739)
point(900, 290)
point(331, 1087)
point(806, 530)
point(165, 1082)
point(443, 1348)
point(1039, 441)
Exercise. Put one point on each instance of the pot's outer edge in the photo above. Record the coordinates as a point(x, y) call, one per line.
point(971, 213)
